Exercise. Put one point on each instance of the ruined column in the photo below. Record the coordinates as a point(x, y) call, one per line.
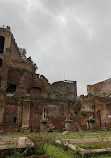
point(26, 114)
point(43, 126)
point(19, 112)
point(43, 122)
point(68, 124)
point(90, 123)
point(2, 105)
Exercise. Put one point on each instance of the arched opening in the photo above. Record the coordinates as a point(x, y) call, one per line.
point(35, 91)
point(2, 41)
point(11, 89)
point(44, 114)
point(14, 120)
point(0, 62)
point(76, 113)
point(49, 95)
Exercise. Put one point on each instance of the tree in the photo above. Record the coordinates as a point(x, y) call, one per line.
point(23, 53)
point(35, 66)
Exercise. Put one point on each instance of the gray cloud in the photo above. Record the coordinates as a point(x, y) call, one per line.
point(68, 39)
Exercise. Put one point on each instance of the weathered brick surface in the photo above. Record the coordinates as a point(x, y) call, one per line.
point(100, 89)
point(35, 99)
point(14, 76)
point(65, 89)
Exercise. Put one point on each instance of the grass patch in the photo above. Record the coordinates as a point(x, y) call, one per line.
point(44, 142)
point(18, 133)
point(57, 152)
point(105, 156)
point(80, 135)
point(97, 145)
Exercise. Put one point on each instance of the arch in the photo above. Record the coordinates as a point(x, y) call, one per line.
point(11, 89)
point(0, 62)
point(35, 91)
point(49, 95)
point(2, 41)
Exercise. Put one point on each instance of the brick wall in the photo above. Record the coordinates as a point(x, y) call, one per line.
point(100, 89)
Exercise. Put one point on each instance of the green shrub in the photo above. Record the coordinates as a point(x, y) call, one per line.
point(15, 154)
point(41, 142)
point(83, 113)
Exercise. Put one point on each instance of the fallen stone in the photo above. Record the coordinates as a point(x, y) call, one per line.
point(65, 133)
point(2, 132)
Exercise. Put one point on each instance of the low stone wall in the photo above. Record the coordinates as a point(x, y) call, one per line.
point(71, 144)
point(5, 128)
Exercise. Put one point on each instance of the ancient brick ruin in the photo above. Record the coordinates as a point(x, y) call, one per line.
point(29, 102)
point(102, 89)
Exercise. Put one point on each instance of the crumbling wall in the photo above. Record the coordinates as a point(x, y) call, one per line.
point(26, 80)
point(35, 91)
point(54, 114)
point(7, 34)
point(10, 111)
point(18, 76)
point(100, 89)
point(25, 65)
point(67, 90)
point(102, 112)
point(99, 108)
point(15, 54)
point(87, 103)
point(14, 76)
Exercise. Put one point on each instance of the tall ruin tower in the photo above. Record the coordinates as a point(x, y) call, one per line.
point(8, 51)
point(8, 44)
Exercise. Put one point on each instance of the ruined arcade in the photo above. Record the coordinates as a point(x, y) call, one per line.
point(29, 102)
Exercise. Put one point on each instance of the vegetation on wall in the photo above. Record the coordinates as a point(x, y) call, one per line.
point(8, 124)
point(59, 96)
point(83, 113)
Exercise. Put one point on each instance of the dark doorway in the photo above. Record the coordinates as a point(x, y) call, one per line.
point(0, 62)
point(14, 120)
point(11, 88)
point(49, 95)
point(2, 41)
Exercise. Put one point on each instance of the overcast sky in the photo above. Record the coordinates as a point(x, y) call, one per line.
point(68, 39)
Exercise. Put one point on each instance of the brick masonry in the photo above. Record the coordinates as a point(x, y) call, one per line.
point(27, 98)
